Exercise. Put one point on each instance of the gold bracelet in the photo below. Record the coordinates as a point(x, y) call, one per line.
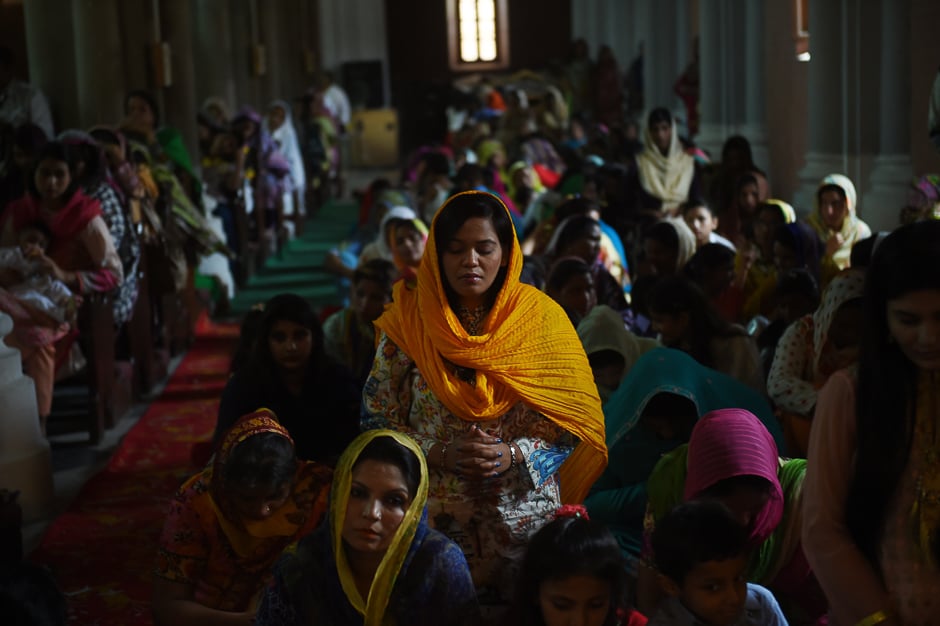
point(512, 456)
point(875, 618)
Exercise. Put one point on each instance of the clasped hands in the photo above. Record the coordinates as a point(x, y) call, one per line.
point(477, 455)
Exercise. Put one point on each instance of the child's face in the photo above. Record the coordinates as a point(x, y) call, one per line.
point(368, 300)
point(702, 223)
point(32, 239)
point(715, 591)
point(576, 600)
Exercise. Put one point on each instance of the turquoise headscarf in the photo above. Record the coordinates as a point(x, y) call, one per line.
point(665, 370)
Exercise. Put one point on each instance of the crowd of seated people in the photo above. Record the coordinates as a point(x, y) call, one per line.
point(589, 374)
point(576, 371)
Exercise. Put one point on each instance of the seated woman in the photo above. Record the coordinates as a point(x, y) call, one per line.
point(572, 573)
point(81, 255)
point(374, 561)
point(651, 413)
point(732, 457)
point(580, 236)
point(686, 320)
point(228, 525)
point(611, 349)
point(401, 239)
point(665, 175)
point(836, 222)
point(810, 350)
point(288, 371)
point(795, 246)
point(489, 377)
point(667, 247)
point(754, 264)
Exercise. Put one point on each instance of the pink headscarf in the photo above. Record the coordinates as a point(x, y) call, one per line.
point(733, 442)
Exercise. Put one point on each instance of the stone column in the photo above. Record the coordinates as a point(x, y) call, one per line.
point(99, 63)
point(271, 29)
point(180, 96)
point(214, 52)
point(246, 83)
point(731, 44)
point(666, 54)
point(52, 67)
point(892, 164)
point(828, 84)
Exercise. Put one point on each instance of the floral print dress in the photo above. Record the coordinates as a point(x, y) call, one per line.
point(491, 520)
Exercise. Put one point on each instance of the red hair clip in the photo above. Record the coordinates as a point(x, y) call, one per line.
point(572, 510)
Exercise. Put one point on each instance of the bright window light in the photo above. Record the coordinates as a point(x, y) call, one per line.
point(477, 31)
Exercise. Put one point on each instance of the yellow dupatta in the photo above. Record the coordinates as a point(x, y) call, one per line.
point(853, 229)
point(298, 514)
point(665, 177)
point(528, 351)
point(373, 608)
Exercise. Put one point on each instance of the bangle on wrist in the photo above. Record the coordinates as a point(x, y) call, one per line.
point(512, 456)
point(875, 618)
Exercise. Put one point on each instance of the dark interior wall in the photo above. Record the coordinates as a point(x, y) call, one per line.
point(539, 32)
point(13, 36)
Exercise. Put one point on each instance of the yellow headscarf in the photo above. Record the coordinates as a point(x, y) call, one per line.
point(528, 351)
point(373, 608)
point(853, 229)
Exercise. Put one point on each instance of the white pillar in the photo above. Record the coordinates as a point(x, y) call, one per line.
point(828, 100)
point(892, 164)
point(666, 54)
point(731, 44)
point(25, 461)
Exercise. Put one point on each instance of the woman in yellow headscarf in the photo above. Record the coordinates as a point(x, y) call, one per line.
point(375, 561)
point(488, 376)
point(229, 524)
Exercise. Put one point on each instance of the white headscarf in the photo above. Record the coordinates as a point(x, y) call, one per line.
point(286, 139)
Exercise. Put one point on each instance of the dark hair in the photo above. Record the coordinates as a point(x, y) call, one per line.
point(711, 256)
point(454, 214)
point(30, 138)
point(575, 228)
point(667, 404)
point(7, 58)
point(29, 596)
point(693, 533)
point(533, 272)
point(677, 294)
point(657, 115)
point(263, 460)
point(91, 155)
point(803, 240)
point(565, 547)
point(292, 308)
point(575, 206)
point(695, 203)
point(39, 225)
point(664, 233)
point(563, 271)
point(247, 335)
point(379, 271)
point(469, 176)
point(436, 163)
point(771, 206)
point(739, 143)
point(147, 97)
point(863, 250)
point(907, 260)
point(56, 151)
point(830, 187)
point(387, 450)
point(798, 281)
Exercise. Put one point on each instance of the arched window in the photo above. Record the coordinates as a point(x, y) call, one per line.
point(478, 34)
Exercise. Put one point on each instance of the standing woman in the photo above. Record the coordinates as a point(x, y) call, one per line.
point(871, 525)
point(488, 376)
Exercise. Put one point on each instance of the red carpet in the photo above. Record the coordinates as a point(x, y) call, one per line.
point(101, 550)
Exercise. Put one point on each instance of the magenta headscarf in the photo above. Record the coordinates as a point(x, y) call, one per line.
point(733, 442)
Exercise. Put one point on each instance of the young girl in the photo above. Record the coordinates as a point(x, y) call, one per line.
point(573, 572)
point(871, 526)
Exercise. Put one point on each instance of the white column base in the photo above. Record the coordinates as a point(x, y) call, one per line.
point(818, 166)
point(890, 180)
